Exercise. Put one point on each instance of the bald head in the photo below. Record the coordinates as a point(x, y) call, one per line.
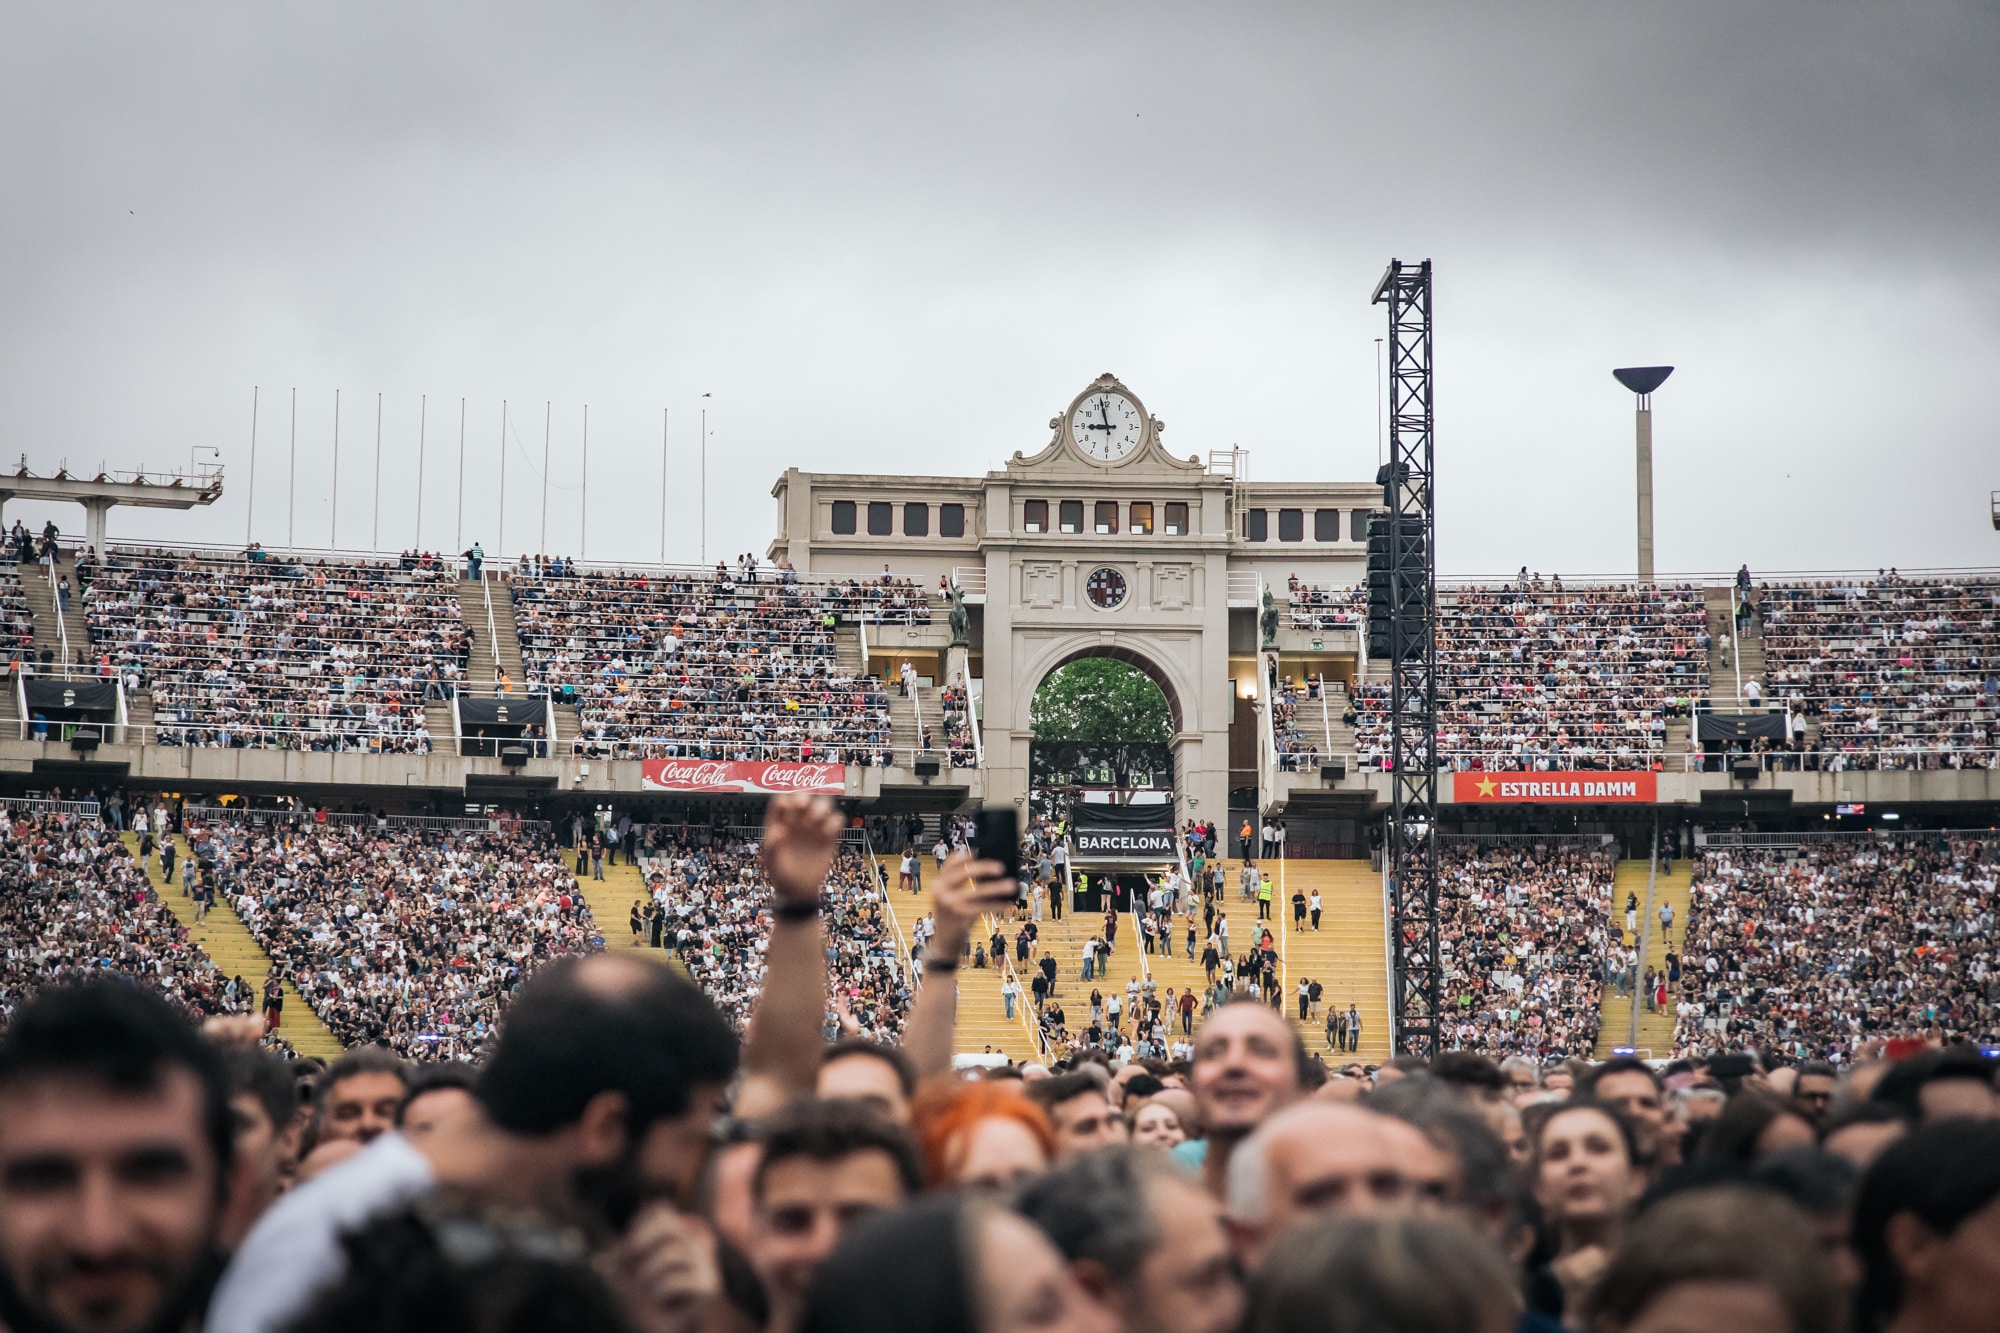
point(1318, 1158)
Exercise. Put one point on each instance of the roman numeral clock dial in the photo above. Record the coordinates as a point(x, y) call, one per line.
point(1107, 426)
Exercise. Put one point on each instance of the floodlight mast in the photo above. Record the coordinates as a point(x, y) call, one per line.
point(1642, 380)
point(1409, 496)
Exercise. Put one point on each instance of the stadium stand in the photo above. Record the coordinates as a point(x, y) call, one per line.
point(1524, 925)
point(398, 933)
point(1890, 672)
point(76, 904)
point(683, 665)
point(1537, 676)
point(263, 651)
point(1813, 950)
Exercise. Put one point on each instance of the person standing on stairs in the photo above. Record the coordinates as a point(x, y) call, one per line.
point(1314, 905)
point(1353, 1028)
point(596, 857)
point(1009, 990)
point(1632, 915)
point(1667, 924)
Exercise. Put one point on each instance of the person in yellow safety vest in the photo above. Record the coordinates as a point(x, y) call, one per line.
point(1264, 898)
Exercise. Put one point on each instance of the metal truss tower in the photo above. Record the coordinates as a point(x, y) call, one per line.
point(1413, 801)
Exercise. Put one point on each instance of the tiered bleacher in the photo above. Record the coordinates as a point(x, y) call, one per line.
point(1898, 673)
point(76, 904)
point(1537, 676)
point(667, 665)
point(399, 933)
point(1523, 927)
point(268, 652)
point(714, 907)
point(1815, 950)
point(17, 623)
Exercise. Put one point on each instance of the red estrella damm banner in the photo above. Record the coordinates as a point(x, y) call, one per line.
point(738, 779)
point(1576, 788)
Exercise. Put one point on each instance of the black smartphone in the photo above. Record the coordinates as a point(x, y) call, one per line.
point(999, 839)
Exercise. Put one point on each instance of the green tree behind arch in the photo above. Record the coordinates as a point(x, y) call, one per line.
point(1099, 699)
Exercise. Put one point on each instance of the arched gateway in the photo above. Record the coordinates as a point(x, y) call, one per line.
point(1098, 544)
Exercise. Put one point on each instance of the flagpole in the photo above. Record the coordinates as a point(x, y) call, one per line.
point(500, 545)
point(666, 421)
point(292, 476)
point(423, 420)
point(250, 494)
point(333, 526)
point(583, 519)
point(375, 532)
point(548, 408)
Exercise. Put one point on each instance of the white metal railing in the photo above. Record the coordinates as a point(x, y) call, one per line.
point(39, 805)
point(881, 884)
point(969, 579)
point(974, 700)
point(21, 704)
point(1735, 648)
point(438, 823)
point(1267, 738)
point(492, 628)
point(1706, 840)
point(124, 714)
point(1246, 588)
point(917, 709)
point(1024, 1004)
point(1325, 714)
point(863, 626)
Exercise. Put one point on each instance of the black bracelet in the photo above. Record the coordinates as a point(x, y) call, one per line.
point(799, 911)
point(940, 965)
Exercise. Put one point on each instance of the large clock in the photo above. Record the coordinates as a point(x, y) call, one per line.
point(1107, 425)
point(1106, 588)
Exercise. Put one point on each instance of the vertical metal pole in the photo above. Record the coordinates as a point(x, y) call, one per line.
point(292, 473)
point(459, 540)
point(1642, 945)
point(250, 495)
point(500, 545)
point(548, 410)
point(375, 532)
point(666, 421)
point(423, 420)
point(333, 525)
point(1645, 488)
point(583, 516)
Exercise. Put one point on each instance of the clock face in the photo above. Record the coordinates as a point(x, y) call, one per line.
point(1107, 426)
point(1106, 588)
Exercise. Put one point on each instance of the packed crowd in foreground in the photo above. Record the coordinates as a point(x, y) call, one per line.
point(1818, 952)
point(1523, 930)
point(579, 1176)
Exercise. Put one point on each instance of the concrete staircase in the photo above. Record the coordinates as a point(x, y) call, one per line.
point(40, 594)
point(224, 938)
point(495, 652)
point(1742, 660)
point(983, 1024)
point(1347, 955)
point(443, 728)
point(610, 900)
point(1656, 1030)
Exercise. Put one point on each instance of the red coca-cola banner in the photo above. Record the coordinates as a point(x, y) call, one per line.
point(1581, 788)
point(733, 779)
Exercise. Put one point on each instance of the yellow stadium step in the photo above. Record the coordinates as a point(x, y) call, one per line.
point(610, 901)
point(1656, 1028)
point(983, 1025)
point(1347, 955)
point(224, 938)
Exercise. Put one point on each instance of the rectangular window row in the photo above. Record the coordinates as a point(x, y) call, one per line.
point(1292, 525)
point(881, 517)
point(1104, 516)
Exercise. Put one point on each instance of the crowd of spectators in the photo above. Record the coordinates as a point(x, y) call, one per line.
point(1523, 931)
point(17, 623)
point(721, 667)
point(1889, 672)
point(1297, 740)
point(1817, 951)
point(623, 1158)
point(1312, 607)
point(1538, 677)
point(73, 903)
point(954, 711)
point(409, 937)
point(711, 906)
point(266, 652)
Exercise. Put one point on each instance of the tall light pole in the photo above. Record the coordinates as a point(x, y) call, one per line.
point(1642, 380)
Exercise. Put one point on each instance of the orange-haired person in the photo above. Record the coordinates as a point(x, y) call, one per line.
point(983, 1134)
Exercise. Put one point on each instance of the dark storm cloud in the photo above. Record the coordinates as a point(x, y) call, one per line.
point(898, 237)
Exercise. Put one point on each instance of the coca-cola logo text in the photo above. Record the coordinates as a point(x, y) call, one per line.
point(719, 776)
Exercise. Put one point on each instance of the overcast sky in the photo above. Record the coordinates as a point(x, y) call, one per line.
point(899, 237)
